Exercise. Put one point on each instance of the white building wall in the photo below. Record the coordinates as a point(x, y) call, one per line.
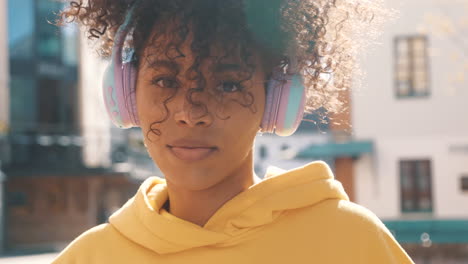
point(94, 121)
point(416, 127)
point(284, 158)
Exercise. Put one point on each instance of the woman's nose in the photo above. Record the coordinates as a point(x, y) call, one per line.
point(190, 110)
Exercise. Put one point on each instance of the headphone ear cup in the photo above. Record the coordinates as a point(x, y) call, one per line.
point(273, 94)
point(130, 76)
point(119, 94)
point(110, 95)
point(284, 105)
point(291, 107)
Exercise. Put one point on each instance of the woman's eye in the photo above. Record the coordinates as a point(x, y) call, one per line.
point(229, 87)
point(165, 82)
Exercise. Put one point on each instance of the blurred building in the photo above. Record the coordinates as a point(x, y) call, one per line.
point(320, 136)
point(55, 140)
point(413, 110)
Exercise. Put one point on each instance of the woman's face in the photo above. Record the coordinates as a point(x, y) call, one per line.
point(202, 139)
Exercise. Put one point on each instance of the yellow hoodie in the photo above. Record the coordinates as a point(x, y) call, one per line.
point(298, 216)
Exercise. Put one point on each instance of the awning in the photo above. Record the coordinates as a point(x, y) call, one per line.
point(437, 231)
point(335, 149)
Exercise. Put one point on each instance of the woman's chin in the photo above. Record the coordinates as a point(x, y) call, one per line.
point(193, 179)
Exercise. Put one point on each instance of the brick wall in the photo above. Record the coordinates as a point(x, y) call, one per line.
point(48, 212)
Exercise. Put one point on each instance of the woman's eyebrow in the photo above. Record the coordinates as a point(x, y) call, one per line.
point(164, 64)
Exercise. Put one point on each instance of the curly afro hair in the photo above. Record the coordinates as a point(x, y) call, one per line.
point(324, 35)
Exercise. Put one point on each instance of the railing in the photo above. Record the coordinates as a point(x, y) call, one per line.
point(42, 151)
point(46, 152)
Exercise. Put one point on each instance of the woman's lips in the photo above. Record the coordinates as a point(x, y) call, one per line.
point(192, 154)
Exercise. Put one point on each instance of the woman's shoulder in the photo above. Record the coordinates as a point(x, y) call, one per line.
point(348, 217)
point(87, 244)
point(354, 227)
point(357, 214)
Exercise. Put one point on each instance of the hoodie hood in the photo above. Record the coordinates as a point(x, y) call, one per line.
point(143, 220)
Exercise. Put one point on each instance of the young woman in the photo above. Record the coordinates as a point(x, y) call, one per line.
point(202, 78)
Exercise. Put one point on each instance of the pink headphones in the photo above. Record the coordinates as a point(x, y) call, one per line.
point(284, 106)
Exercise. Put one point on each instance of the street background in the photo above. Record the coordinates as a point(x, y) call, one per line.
point(401, 150)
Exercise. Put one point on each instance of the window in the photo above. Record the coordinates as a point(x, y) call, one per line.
point(464, 182)
point(263, 152)
point(415, 186)
point(22, 99)
point(284, 147)
point(21, 28)
point(19, 201)
point(49, 114)
point(411, 66)
point(43, 69)
point(48, 42)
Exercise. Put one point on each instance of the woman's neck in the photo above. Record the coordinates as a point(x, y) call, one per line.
point(199, 206)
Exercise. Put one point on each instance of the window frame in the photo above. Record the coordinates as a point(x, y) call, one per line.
point(418, 192)
point(412, 68)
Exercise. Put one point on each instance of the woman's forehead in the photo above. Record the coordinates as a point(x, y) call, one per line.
point(160, 53)
point(165, 51)
point(172, 44)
